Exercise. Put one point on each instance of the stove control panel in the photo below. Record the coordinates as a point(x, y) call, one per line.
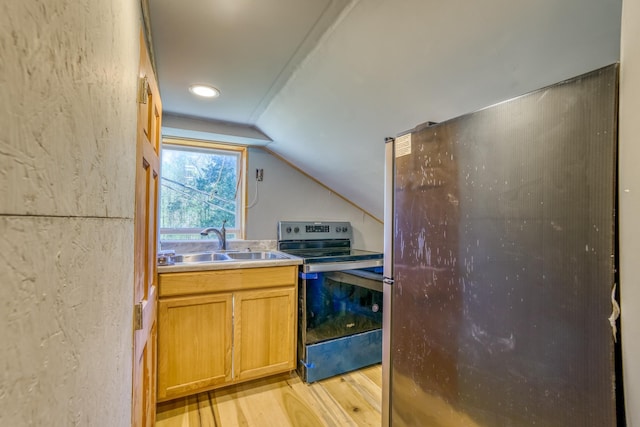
point(314, 230)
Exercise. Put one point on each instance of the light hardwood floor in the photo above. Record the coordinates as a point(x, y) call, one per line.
point(352, 399)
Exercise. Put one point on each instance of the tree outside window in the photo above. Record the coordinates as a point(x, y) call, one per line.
point(201, 186)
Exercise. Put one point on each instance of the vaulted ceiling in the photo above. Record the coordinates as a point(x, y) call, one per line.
point(322, 82)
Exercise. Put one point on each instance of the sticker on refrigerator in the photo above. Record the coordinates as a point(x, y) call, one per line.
point(403, 145)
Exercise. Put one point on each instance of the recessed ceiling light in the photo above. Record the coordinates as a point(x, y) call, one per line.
point(205, 91)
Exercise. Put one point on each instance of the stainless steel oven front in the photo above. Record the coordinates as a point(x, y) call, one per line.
point(340, 299)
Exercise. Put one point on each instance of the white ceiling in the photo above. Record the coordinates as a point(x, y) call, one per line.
point(323, 82)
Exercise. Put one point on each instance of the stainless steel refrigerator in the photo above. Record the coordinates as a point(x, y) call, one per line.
point(500, 264)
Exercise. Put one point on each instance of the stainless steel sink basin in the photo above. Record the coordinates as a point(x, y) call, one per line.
point(254, 255)
point(201, 257)
point(204, 257)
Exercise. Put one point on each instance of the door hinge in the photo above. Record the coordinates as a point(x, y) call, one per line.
point(143, 89)
point(137, 316)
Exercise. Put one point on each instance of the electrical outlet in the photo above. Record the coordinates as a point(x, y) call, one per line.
point(259, 174)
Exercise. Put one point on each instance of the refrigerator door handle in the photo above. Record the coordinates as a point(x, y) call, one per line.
point(389, 182)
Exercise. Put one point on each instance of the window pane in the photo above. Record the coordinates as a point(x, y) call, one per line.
point(200, 188)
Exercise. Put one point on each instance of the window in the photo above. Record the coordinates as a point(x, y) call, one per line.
point(201, 185)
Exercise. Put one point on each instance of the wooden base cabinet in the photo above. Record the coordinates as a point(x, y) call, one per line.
point(265, 332)
point(195, 338)
point(222, 327)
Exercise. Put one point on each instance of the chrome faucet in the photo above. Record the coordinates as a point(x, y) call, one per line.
point(222, 235)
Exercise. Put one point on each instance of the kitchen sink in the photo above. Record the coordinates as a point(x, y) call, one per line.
point(201, 257)
point(204, 257)
point(254, 255)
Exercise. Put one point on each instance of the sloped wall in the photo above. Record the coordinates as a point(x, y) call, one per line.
point(387, 66)
point(287, 194)
point(67, 148)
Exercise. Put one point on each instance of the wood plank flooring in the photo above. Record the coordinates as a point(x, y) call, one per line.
point(351, 399)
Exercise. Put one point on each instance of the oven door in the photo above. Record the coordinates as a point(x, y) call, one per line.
point(340, 322)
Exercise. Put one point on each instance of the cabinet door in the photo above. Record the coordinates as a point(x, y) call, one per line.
point(265, 331)
point(194, 343)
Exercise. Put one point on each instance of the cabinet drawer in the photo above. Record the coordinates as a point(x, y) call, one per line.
point(198, 282)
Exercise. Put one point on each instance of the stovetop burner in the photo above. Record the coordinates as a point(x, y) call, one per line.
point(327, 243)
point(330, 254)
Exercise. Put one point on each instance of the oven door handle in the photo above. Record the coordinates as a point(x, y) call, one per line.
point(339, 266)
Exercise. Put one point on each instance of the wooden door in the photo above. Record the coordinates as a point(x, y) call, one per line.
point(264, 332)
point(145, 229)
point(194, 343)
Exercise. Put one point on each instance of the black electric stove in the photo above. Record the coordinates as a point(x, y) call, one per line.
point(324, 246)
point(340, 297)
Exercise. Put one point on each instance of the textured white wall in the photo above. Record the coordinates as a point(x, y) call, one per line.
point(629, 196)
point(287, 194)
point(67, 147)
